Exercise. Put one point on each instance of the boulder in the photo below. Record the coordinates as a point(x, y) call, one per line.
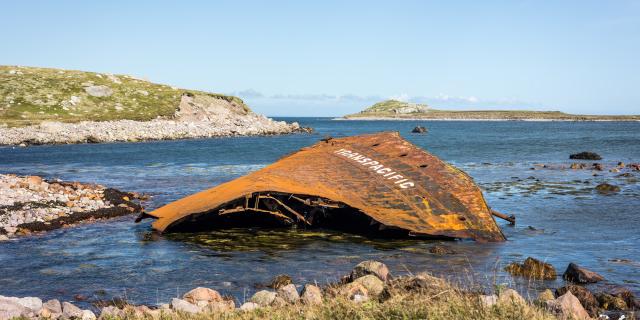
point(201, 294)
point(264, 298)
point(110, 312)
point(88, 315)
point(419, 129)
point(280, 281)
point(510, 296)
point(51, 309)
point(184, 306)
point(375, 268)
point(289, 293)
point(69, 311)
point(586, 298)
point(626, 295)
point(586, 155)
point(311, 295)
point(609, 302)
point(248, 306)
point(577, 274)
point(354, 291)
point(373, 284)
point(278, 302)
point(10, 308)
point(221, 306)
point(606, 188)
point(568, 306)
point(533, 269)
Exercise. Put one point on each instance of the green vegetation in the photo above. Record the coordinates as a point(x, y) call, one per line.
point(31, 95)
point(393, 109)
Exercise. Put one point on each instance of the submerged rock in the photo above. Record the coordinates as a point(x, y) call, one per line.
point(586, 155)
point(419, 129)
point(441, 250)
point(532, 268)
point(577, 274)
point(606, 188)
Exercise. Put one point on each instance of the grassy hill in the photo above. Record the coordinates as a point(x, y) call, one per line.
point(31, 95)
point(393, 109)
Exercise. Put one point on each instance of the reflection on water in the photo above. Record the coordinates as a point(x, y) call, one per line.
point(561, 218)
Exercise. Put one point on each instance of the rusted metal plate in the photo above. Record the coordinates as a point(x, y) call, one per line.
point(382, 175)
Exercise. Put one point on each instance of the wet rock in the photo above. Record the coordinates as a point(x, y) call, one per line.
point(441, 250)
point(510, 296)
point(625, 175)
point(609, 302)
point(488, 300)
point(578, 166)
point(606, 188)
point(598, 167)
point(201, 294)
point(280, 281)
point(577, 274)
point(375, 268)
point(70, 311)
point(184, 306)
point(626, 294)
point(533, 269)
point(289, 293)
point(586, 298)
point(311, 295)
point(264, 298)
point(419, 129)
point(249, 306)
point(585, 155)
point(568, 306)
point(634, 166)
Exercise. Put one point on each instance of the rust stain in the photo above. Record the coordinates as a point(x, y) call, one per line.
point(382, 175)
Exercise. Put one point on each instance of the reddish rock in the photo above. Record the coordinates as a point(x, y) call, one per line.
point(577, 274)
point(587, 299)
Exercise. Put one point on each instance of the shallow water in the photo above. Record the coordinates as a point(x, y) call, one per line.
point(571, 222)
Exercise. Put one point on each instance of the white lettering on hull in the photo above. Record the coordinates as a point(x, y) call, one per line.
point(377, 167)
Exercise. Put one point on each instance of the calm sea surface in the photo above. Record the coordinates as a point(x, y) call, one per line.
point(569, 221)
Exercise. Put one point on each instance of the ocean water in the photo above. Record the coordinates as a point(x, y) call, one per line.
point(560, 218)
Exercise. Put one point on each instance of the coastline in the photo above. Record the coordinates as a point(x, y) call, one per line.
point(477, 119)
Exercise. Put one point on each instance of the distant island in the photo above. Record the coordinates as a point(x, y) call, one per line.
point(399, 110)
point(49, 106)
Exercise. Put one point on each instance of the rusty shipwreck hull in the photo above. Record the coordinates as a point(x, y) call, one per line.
point(388, 180)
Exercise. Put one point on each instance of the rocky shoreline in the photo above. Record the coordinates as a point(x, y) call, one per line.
point(31, 204)
point(368, 288)
point(133, 131)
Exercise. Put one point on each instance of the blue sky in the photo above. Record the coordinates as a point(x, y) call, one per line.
point(326, 58)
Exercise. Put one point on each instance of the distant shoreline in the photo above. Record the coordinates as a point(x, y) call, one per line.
point(478, 119)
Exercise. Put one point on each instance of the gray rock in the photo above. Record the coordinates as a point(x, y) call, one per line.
point(376, 268)
point(248, 306)
point(98, 91)
point(10, 308)
point(69, 311)
point(111, 312)
point(289, 293)
point(184, 306)
point(263, 298)
point(53, 306)
point(373, 284)
point(88, 315)
point(311, 295)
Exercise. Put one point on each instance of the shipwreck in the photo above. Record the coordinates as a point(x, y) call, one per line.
point(375, 183)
